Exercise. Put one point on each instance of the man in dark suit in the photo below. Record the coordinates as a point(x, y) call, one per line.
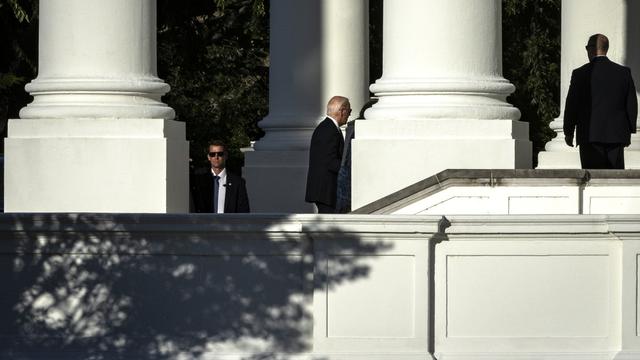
point(602, 105)
point(325, 155)
point(216, 190)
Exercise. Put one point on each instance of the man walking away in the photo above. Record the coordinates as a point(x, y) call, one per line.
point(325, 155)
point(602, 107)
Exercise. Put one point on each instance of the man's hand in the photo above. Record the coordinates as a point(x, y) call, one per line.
point(569, 140)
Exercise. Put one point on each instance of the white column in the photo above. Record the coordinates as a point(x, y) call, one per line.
point(442, 99)
point(96, 137)
point(581, 19)
point(97, 59)
point(318, 49)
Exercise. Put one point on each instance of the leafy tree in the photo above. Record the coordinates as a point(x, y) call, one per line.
point(215, 56)
point(375, 39)
point(531, 61)
point(18, 53)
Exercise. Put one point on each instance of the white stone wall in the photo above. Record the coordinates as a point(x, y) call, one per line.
point(499, 192)
point(519, 287)
point(309, 287)
point(567, 199)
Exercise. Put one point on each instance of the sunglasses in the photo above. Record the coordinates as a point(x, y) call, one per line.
point(216, 153)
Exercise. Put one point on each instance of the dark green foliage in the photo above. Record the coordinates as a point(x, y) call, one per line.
point(18, 53)
point(531, 61)
point(375, 39)
point(214, 54)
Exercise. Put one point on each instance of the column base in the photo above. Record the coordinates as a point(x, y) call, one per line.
point(96, 165)
point(566, 159)
point(276, 181)
point(570, 159)
point(389, 155)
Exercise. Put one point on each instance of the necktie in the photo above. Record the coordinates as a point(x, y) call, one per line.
point(215, 193)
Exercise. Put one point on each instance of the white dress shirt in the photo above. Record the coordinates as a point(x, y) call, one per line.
point(222, 189)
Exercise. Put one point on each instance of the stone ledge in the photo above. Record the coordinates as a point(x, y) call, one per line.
point(496, 177)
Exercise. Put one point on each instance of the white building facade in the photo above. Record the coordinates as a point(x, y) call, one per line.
point(442, 102)
point(422, 284)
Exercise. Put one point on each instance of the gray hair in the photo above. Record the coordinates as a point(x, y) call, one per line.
point(335, 104)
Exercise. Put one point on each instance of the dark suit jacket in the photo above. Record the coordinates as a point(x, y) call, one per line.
point(601, 103)
point(235, 201)
point(325, 155)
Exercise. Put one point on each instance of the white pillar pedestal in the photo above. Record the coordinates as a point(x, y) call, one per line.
point(442, 99)
point(96, 137)
point(581, 19)
point(319, 48)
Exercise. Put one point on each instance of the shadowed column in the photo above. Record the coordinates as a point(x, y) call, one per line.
point(318, 49)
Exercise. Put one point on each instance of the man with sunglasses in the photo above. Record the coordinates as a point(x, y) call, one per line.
point(217, 190)
point(602, 107)
point(325, 155)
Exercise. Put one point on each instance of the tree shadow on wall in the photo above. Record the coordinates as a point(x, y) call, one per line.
point(147, 286)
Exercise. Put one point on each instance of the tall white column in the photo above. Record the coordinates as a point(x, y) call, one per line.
point(581, 19)
point(442, 99)
point(96, 137)
point(318, 49)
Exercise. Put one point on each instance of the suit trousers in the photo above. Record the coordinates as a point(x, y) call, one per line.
point(325, 209)
point(602, 156)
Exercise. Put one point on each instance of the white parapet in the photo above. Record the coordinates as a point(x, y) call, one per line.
point(442, 99)
point(215, 286)
point(493, 192)
point(96, 137)
point(333, 287)
point(537, 287)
